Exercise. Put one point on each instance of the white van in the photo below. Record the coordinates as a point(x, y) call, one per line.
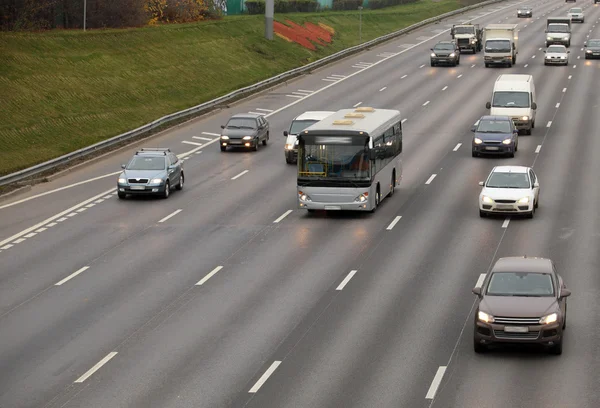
point(298, 125)
point(514, 96)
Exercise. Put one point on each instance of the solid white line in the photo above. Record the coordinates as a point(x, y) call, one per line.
point(557, 105)
point(174, 213)
point(383, 89)
point(54, 217)
point(393, 223)
point(71, 276)
point(356, 105)
point(436, 382)
point(301, 90)
point(549, 123)
point(426, 103)
point(459, 76)
point(404, 120)
point(403, 76)
point(538, 148)
point(430, 179)
point(480, 280)
point(525, 66)
point(457, 147)
point(201, 138)
point(444, 88)
point(564, 90)
point(271, 110)
point(264, 377)
point(240, 175)
point(210, 134)
point(96, 367)
point(422, 66)
point(285, 214)
point(505, 223)
point(191, 143)
point(210, 275)
point(346, 280)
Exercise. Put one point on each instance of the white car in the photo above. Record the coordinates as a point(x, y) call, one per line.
point(576, 14)
point(510, 190)
point(556, 55)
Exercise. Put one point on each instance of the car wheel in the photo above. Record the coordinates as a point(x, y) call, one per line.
point(531, 213)
point(537, 203)
point(288, 161)
point(223, 148)
point(511, 154)
point(432, 64)
point(121, 195)
point(528, 131)
point(478, 347)
point(265, 140)
point(181, 181)
point(517, 147)
point(482, 214)
point(557, 348)
point(487, 65)
point(474, 154)
point(565, 320)
point(255, 147)
point(167, 191)
point(533, 124)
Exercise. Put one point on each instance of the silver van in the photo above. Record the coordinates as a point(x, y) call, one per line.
point(300, 123)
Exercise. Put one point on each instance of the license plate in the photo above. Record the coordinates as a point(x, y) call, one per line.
point(333, 207)
point(596, 53)
point(492, 148)
point(504, 207)
point(137, 187)
point(516, 329)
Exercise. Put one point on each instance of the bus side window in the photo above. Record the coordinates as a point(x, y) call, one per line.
point(398, 132)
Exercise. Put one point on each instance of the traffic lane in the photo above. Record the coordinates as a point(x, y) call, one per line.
point(268, 287)
point(428, 253)
point(564, 230)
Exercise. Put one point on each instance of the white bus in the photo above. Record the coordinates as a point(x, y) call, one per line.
point(350, 161)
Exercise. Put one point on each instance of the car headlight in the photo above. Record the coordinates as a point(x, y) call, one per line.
point(477, 141)
point(548, 38)
point(247, 138)
point(549, 319)
point(362, 198)
point(303, 197)
point(225, 137)
point(289, 146)
point(156, 181)
point(433, 55)
point(474, 40)
point(563, 57)
point(486, 199)
point(507, 141)
point(484, 317)
point(453, 55)
point(122, 181)
point(524, 200)
point(525, 118)
point(588, 51)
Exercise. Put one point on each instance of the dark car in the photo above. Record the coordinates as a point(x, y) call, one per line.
point(495, 135)
point(525, 11)
point(245, 130)
point(445, 52)
point(522, 300)
point(592, 48)
point(151, 171)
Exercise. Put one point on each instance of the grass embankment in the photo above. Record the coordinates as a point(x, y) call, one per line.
point(64, 90)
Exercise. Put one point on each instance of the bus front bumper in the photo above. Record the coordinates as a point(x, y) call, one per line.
point(311, 205)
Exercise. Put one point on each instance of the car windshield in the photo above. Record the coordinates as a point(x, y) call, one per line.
point(497, 46)
point(525, 8)
point(520, 284)
point(576, 10)
point(557, 49)
point(241, 123)
point(323, 157)
point(558, 28)
point(146, 163)
point(510, 99)
point(493, 126)
point(464, 30)
point(299, 125)
point(593, 43)
point(508, 180)
point(445, 47)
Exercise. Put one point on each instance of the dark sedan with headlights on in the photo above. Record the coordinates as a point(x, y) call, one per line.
point(523, 300)
point(525, 11)
point(592, 49)
point(495, 135)
point(445, 52)
point(245, 130)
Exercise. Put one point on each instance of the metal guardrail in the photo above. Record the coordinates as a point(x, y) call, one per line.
point(212, 104)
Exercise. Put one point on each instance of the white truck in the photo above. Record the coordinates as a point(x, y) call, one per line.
point(558, 31)
point(500, 44)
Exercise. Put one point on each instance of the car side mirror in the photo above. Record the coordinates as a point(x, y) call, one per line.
point(123, 166)
point(488, 105)
point(565, 293)
point(585, 44)
point(536, 184)
point(545, 31)
point(222, 126)
point(473, 128)
point(545, 51)
point(171, 167)
point(534, 106)
point(568, 52)
point(477, 291)
point(285, 133)
point(515, 131)
point(481, 183)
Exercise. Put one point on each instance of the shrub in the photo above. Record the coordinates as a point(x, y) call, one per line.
point(255, 6)
point(346, 4)
point(283, 6)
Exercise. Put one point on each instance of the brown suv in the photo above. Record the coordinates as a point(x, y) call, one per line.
point(522, 300)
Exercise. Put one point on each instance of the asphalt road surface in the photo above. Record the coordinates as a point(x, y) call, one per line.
point(231, 303)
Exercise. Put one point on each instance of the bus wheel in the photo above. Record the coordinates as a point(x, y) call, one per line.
point(377, 199)
point(392, 188)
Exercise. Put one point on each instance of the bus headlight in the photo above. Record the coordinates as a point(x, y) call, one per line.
point(362, 198)
point(303, 197)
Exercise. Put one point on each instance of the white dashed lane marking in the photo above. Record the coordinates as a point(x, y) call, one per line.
point(457, 147)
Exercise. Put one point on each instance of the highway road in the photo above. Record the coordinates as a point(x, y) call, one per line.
point(240, 299)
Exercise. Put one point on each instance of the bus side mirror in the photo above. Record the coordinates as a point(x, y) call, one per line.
point(285, 133)
point(534, 106)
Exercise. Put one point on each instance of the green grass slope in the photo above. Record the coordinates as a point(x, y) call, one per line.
point(64, 90)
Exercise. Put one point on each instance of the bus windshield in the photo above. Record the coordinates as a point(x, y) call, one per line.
point(334, 157)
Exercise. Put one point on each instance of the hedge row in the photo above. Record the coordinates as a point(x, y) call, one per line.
point(292, 6)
